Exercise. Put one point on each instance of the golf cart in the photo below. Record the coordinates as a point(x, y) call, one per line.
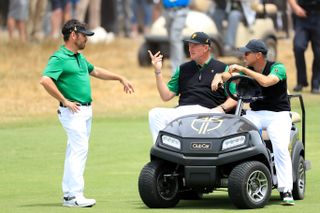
point(201, 153)
point(263, 28)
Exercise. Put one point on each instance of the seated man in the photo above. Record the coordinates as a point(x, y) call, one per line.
point(235, 11)
point(192, 83)
point(270, 113)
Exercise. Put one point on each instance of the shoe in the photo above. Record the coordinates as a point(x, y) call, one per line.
point(298, 88)
point(315, 90)
point(287, 199)
point(79, 201)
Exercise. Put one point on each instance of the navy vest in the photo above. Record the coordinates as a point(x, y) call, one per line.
point(195, 84)
point(275, 97)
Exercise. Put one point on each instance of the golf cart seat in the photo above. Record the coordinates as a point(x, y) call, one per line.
point(269, 9)
point(295, 117)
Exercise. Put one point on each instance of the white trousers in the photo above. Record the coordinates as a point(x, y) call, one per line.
point(78, 127)
point(160, 117)
point(278, 126)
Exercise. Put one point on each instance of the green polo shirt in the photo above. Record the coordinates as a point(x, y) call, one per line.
point(277, 69)
point(70, 73)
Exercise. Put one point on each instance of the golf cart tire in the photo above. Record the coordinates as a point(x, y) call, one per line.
point(143, 56)
point(299, 185)
point(154, 190)
point(247, 178)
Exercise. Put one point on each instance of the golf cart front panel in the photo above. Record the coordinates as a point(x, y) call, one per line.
point(208, 140)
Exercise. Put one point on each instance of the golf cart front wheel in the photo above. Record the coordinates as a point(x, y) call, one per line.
point(156, 188)
point(249, 185)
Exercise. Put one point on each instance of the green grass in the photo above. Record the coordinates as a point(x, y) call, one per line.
point(32, 156)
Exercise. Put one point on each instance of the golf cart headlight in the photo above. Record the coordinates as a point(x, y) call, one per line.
point(233, 142)
point(170, 141)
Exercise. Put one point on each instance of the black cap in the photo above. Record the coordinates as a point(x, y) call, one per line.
point(199, 38)
point(76, 26)
point(255, 46)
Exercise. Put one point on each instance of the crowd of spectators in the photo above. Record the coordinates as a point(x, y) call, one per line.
point(35, 20)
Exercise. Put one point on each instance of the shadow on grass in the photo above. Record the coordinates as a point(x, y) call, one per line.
point(212, 201)
point(41, 205)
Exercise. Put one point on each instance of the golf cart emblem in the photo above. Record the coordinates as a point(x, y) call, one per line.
point(205, 124)
point(201, 146)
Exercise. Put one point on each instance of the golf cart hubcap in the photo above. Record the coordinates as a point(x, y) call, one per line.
point(301, 176)
point(167, 187)
point(257, 186)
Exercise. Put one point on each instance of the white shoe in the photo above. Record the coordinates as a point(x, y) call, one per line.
point(79, 201)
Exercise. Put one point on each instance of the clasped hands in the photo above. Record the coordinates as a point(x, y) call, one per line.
point(220, 78)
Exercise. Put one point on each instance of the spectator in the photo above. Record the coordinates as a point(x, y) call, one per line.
point(17, 18)
point(93, 8)
point(123, 9)
point(37, 9)
point(141, 9)
point(307, 28)
point(235, 11)
point(94, 18)
point(74, 6)
point(175, 13)
point(4, 7)
point(61, 12)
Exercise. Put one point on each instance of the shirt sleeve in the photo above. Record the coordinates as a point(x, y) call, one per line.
point(54, 68)
point(173, 84)
point(278, 70)
point(89, 65)
point(232, 85)
point(226, 69)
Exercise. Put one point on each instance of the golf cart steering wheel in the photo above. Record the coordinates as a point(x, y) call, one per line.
point(246, 88)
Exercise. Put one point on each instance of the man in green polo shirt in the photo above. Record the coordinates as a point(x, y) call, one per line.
point(192, 83)
point(67, 79)
point(272, 112)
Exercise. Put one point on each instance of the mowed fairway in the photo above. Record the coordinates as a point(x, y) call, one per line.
point(32, 156)
point(33, 141)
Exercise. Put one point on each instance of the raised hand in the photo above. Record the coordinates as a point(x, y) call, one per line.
point(156, 60)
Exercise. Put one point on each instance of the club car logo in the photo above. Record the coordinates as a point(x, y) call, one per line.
point(206, 124)
point(201, 146)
